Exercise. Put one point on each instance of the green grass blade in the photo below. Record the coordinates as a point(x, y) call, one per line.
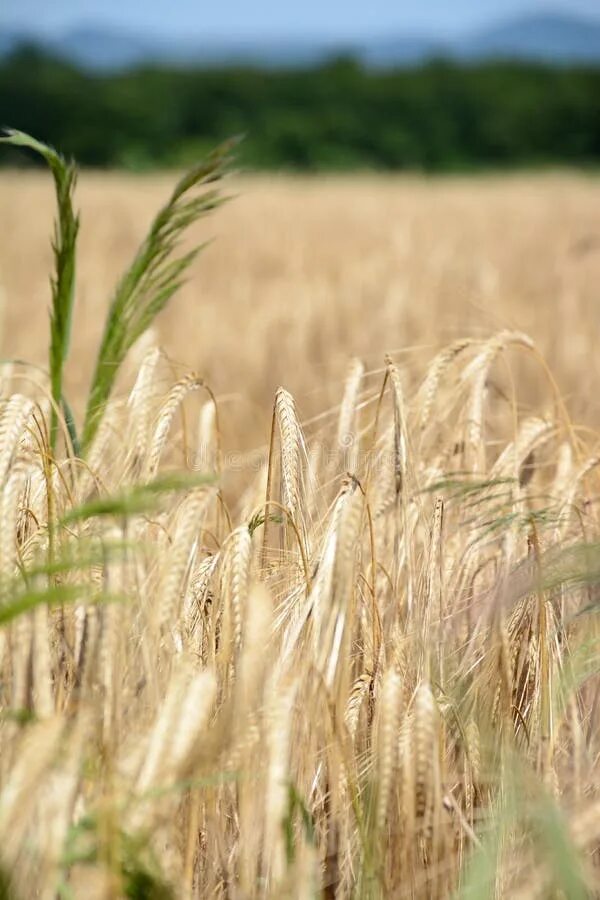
point(136, 500)
point(52, 596)
point(558, 849)
point(71, 427)
point(64, 246)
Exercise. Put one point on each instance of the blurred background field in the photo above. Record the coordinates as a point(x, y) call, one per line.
point(304, 273)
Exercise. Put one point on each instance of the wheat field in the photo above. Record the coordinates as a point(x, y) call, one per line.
point(304, 274)
point(315, 614)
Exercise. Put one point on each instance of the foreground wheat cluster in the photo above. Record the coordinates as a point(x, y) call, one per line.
point(371, 673)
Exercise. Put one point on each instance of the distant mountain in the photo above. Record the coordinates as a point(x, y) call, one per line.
point(105, 49)
point(552, 37)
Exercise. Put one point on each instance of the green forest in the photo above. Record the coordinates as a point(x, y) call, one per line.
point(440, 116)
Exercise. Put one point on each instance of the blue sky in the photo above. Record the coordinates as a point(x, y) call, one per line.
point(323, 18)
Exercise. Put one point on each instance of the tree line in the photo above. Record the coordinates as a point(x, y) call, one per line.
point(440, 116)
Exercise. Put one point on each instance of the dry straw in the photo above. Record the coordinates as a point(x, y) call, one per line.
point(356, 716)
